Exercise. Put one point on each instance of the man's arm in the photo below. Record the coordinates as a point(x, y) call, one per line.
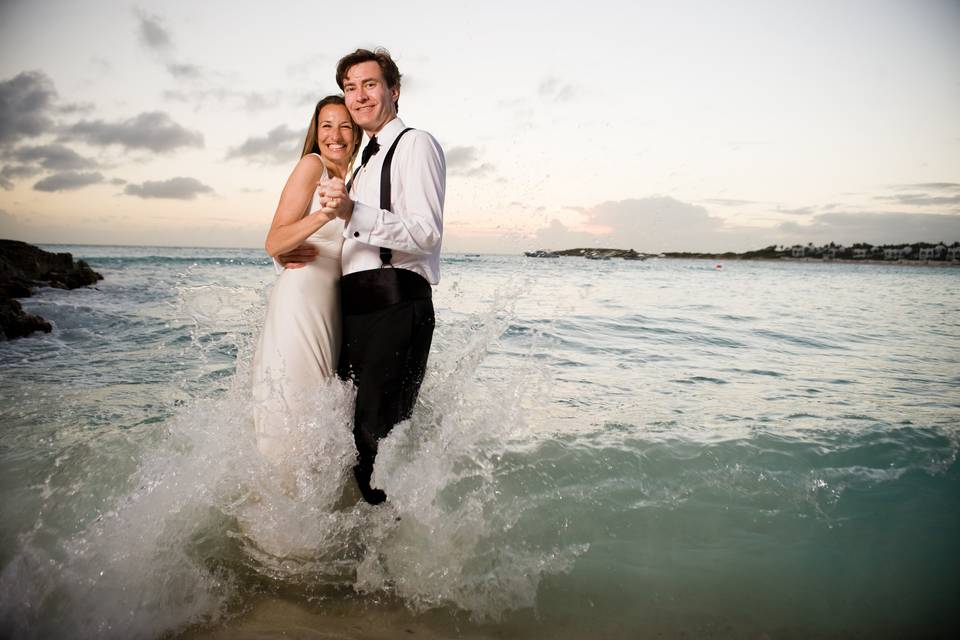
point(419, 185)
point(295, 258)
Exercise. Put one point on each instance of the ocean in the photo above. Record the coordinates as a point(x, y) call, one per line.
point(601, 449)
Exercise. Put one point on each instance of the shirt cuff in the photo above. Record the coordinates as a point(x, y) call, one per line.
point(363, 221)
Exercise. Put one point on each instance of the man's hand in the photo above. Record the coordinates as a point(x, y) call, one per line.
point(298, 257)
point(334, 198)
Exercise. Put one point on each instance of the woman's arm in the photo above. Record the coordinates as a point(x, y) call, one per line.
point(290, 226)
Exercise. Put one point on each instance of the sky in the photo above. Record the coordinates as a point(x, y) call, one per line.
point(656, 126)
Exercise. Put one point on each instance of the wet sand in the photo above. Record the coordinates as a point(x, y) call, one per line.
point(271, 617)
point(371, 618)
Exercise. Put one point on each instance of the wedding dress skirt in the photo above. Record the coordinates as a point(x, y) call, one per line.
point(297, 354)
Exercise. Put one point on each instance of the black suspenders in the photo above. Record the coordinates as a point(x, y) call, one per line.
point(386, 254)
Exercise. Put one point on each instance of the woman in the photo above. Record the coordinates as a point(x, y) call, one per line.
point(300, 342)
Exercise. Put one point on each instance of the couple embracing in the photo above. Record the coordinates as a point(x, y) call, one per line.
point(361, 249)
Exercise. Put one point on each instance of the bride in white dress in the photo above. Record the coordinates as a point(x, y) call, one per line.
point(300, 342)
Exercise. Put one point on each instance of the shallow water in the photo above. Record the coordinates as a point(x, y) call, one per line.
point(601, 449)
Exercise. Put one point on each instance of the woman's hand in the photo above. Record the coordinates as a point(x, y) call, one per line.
point(334, 198)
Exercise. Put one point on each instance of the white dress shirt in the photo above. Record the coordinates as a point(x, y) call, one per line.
point(413, 227)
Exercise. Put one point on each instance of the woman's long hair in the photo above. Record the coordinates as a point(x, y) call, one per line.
point(310, 144)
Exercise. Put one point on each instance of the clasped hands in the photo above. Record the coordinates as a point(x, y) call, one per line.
point(335, 202)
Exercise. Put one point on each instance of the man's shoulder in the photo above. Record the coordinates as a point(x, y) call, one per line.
point(418, 139)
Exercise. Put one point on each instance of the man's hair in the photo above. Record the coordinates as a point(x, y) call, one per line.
point(391, 74)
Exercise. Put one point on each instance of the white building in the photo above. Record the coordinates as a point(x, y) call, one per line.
point(892, 254)
point(860, 253)
point(933, 253)
point(797, 250)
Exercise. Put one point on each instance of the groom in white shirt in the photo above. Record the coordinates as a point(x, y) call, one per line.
point(393, 213)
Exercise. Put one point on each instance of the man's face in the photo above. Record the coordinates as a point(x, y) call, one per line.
point(369, 99)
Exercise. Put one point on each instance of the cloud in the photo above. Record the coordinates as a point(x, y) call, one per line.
point(26, 101)
point(930, 186)
point(16, 171)
point(465, 161)
point(54, 157)
point(68, 181)
point(179, 188)
point(156, 37)
point(662, 221)
point(658, 224)
point(925, 194)
point(922, 199)
point(154, 131)
point(180, 70)
point(72, 108)
point(555, 89)
point(798, 211)
point(651, 224)
point(152, 32)
point(875, 228)
point(557, 235)
point(280, 145)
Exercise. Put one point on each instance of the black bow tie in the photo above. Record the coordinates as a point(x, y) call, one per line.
point(370, 150)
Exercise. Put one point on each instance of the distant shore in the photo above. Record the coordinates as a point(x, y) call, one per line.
point(896, 263)
point(768, 254)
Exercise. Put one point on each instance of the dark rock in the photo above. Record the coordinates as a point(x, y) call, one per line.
point(16, 323)
point(23, 266)
point(596, 253)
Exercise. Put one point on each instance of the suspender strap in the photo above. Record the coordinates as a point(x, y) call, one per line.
point(353, 177)
point(386, 255)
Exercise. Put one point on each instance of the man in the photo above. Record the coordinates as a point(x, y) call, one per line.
point(391, 255)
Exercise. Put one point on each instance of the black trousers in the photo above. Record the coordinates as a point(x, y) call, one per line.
point(384, 352)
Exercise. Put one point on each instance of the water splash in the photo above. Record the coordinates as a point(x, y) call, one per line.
point(204, 518)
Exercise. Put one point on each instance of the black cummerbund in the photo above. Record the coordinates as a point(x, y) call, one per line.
point(376, 289)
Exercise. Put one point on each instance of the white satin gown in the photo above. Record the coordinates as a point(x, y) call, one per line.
point(300, 343)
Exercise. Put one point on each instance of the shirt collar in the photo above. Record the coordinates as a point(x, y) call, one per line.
point(389, 133)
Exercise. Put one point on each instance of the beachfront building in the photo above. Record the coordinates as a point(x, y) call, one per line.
point(797, 250)
point(895, 253)
point(830, 251)
point(937, 252)
point(860, 253)
point(953, 253)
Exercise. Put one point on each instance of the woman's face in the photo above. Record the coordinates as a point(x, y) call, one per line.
point(335, 135)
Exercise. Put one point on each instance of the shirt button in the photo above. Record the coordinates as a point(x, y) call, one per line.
point(356, 234)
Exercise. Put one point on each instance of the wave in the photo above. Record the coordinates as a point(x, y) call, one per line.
point(203, 518)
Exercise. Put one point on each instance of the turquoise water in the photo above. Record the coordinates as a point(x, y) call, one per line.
point(602, 449)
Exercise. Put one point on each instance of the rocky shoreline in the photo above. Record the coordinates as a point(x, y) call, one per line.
point(24, 266)
point(593, 253)
point(758, 256)
point(867, 261)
